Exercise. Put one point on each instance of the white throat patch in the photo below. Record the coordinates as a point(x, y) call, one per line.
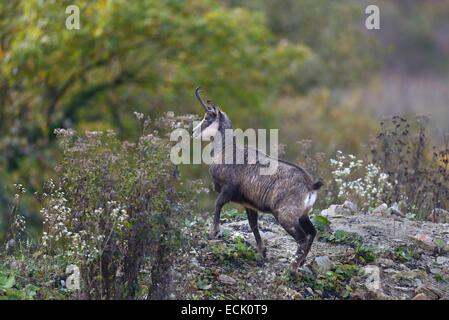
point(207, 133)
point(210, 131)
point(197, 130)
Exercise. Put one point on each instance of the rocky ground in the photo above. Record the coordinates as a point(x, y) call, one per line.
point(378, 255)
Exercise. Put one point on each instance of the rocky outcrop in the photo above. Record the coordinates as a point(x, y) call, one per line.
point(411, 261)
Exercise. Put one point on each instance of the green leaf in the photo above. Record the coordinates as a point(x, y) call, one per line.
point(8, 282)
point(322, 220)
point(347, 292)
point(439, 243)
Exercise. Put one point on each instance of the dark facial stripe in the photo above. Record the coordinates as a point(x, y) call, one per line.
point(208, 120)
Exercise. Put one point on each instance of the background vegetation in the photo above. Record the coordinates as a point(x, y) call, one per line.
point(307, 67)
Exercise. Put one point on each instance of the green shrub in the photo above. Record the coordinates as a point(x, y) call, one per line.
point(235, 250)
point(113, 211)
point(362, 252)
point(404, 253)
point(10, 289)
point(321, 223)
point(334, 283)
point(233, 215)
point(417, 170)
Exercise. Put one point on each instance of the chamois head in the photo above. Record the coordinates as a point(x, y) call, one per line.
point(214, 120)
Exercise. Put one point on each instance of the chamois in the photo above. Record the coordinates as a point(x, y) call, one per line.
point(289, 193)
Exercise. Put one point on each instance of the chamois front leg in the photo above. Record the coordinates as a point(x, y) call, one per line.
point(223, 197)
point(253, 217)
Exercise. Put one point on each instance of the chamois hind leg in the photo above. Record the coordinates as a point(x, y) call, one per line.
point(303, 240)
point(290, 223)
point(309, 228)
point(224, 197)
point(253, 223)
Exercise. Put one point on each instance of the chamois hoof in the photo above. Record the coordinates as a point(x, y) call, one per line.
point(215, 234)
point(296, 265)
point(293, 269)
point(262, 252)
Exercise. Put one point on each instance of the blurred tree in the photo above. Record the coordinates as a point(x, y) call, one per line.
point(343, 53)
point(417, 33)
point(330, 125)
point(127, 56)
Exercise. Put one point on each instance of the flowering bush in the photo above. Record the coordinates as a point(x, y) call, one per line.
point(15, 222)
point(114, 212)
point(418, 169)
point(359, 182)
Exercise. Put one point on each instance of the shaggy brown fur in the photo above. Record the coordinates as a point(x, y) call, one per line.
point(286, 194)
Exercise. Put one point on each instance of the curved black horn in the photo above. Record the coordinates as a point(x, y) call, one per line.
point(198, 96)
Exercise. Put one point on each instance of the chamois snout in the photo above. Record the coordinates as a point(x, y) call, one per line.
point(207, 128)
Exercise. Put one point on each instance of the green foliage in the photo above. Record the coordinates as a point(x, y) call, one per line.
point(15, 224)
point(342, 53)
point(405, 253)
point(139, 54)
point(233, 215)
point(365, 253)
point(440, 278)
point(233, 251)
point(321, 223)
point(113, 211)
point(10, 289)
point(328, 122)
point(417, 170)
point(332, 284)
point(362, 252)
point(344, 237)
point(326, 127)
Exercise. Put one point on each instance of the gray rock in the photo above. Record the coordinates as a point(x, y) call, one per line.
point(381, 210)
point(420, 296)
point(430, 292)
point(350, 206)
point(322, 264)
point(390, 270)
point(336, 210)
point(372, 282)
point(309, 290)
point(435, 270)
point(330, 212)
point(442, 260)
point(226, 279)
point(424, 241)
point(385, 262)
point(16, 264)
point(394, 211)
point(439, 215)
point(297, 296)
